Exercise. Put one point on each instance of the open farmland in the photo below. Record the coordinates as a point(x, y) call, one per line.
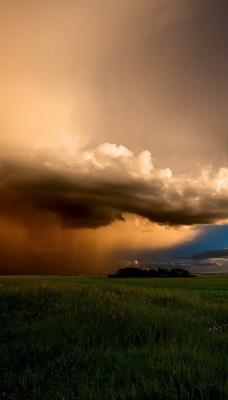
point(114, 339)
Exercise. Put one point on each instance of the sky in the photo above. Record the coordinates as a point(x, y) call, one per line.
point(113, 134)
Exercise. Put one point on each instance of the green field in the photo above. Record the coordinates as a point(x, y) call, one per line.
point(114, 339)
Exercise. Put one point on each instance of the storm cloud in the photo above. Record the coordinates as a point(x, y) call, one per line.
point(93, 188)
point(76, 76)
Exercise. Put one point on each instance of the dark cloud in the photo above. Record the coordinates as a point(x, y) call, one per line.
point(218, 253)
point(98, 186)
point(79, 211)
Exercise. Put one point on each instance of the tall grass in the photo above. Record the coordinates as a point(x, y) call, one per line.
point(103, 339)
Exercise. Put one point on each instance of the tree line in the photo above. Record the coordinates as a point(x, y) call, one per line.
point(132, 272)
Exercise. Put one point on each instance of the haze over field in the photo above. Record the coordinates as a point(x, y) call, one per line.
point(113, 144)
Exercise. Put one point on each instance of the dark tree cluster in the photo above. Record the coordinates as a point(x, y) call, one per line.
point(131, 272)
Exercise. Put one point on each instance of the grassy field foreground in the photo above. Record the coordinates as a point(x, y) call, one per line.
point(104, 339)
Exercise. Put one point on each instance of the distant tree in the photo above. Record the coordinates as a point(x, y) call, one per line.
point(179, 272)
point(163, 272)
point(132, 272)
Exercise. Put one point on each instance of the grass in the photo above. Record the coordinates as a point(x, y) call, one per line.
point(113, 339)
